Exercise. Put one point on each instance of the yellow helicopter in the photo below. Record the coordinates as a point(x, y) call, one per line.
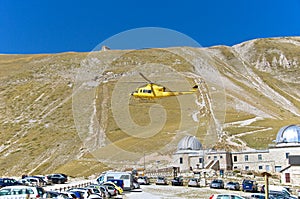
point(152, 91)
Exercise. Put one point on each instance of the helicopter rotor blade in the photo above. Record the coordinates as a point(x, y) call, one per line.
point(141, 74)
point(152, 90)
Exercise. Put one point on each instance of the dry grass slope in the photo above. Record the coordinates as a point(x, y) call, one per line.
point(38, 134)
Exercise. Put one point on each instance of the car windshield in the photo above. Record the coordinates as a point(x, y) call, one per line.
point(248, 183)
point(4, 192)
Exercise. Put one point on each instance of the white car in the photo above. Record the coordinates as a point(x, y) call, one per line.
point(12, 192)
point(143, 180)
point(226, 196)
point(32, 181)
point(86, 193)
point(193, 182)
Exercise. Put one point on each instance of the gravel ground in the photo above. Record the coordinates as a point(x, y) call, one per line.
point(159, 191)
point(174, 192)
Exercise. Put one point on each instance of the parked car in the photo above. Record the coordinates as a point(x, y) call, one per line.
point(279, 195)
point(54, 194)
point(111, 190)
point(58, 178)
point(21, 191)
point(119, 189)
point(226, 196)
point(107, 190)
point(177, 181)
point(69, 194)
point(86, 193)
point(261, 196)
point(283, 190)
point(232, 186)
point(101, 190)
point(161, 180)
point(249, 185)
point(42, 178)
point(194, 182)
point(217, 184)
point(135, 183)
point(117, 182)
point(32, 181)
point(8, 182)
point(143, 180)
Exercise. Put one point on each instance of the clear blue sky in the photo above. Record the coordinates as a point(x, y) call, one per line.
point(51, 26)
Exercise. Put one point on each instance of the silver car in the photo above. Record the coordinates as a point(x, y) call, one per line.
point(161, 181)
point(232, 186)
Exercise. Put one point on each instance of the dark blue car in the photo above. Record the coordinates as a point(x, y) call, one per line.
point(249, 185)
point(8, 182)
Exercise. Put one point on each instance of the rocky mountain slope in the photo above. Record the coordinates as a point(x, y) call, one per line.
point(72, 112)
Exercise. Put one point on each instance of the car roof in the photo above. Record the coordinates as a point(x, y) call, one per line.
point(20, 187)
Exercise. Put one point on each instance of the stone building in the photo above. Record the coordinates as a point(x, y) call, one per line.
point(190, 154)
point(291, 174)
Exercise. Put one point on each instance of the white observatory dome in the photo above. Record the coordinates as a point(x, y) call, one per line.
point(189, 143)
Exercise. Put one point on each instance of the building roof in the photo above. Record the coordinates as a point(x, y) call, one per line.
point(189, 143)
point(288, 134)
point(294, 160)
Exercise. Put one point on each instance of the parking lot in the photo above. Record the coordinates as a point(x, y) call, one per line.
point(153, 191)
point(175, 192)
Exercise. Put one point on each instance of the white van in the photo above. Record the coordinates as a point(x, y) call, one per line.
point(110, 175)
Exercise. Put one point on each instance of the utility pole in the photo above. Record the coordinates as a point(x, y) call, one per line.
point(144, 163)
point(266, 176)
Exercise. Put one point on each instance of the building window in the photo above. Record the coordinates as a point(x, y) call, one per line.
point(246, 168)
point(208, 157)
point(259, 157)
point(180, 160)
point(287, 178)
point(260, 167)
point(267, 167)
point(277, 169)
point(246, 158)
point(221, 156)
point(200, 160)
point(215, 157)
point(287, 155)
point(235, 158)
point(235, 167)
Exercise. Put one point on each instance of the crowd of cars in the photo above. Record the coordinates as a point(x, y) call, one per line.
point(34, 187)
point(275, 192)
point(247, 185)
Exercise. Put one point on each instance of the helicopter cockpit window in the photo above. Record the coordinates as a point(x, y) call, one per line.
point(146, 91)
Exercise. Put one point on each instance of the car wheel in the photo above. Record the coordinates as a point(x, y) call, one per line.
point(58, 181)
